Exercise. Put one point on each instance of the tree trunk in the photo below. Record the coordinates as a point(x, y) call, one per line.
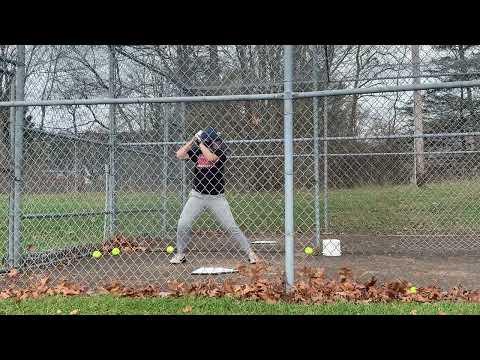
point(247, 67)
point(42, 119)
point(213, 65)
point(4, 143)
point(353, 111)
point(184, 69)
point(464, 70)
point(74, 121)
point(419, 166)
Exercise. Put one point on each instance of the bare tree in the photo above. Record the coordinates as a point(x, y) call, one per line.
point(213, 64)
point(419, 166)
point(7, 78)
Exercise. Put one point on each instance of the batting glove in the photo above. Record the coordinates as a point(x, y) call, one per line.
point(198, 137)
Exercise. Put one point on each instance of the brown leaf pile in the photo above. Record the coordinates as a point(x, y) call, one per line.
point(315, 288)
point(116, 288)
point(126, 244)
point(312, 287)
point(42, 287)
point(13, 273)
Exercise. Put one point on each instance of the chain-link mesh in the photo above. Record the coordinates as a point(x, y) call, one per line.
point(361, 66)
point(65, 197)
point(102, 176)
point(379, 194)
point(7, 90)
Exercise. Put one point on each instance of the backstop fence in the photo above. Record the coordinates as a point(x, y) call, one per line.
point(376, 146)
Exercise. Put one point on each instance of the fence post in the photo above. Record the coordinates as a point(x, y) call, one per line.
point(106, 217)
point(111, 190)
point(419, 157)
point(316, 147)
point(288, 154)
point(11, 156)
point(165, 168)
point(18, 156)
point(325, 164)
point(184, 169)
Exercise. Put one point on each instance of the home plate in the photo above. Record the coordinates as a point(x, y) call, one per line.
point(213, 271)
point(268, 242)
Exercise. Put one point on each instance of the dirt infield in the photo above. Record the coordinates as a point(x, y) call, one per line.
point(145, 268)
point(381, 257)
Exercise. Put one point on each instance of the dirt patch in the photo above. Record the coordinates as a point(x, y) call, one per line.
point(442, 271)
point(150, 264)
point(145, 268)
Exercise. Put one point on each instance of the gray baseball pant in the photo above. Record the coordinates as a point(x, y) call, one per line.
point(218, 205)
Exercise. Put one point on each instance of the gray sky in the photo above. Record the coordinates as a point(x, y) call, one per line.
point(394, 61)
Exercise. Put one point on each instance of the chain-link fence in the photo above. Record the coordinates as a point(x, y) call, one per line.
point(385, 156)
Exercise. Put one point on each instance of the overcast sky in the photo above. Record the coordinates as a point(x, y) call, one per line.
point(395, 61)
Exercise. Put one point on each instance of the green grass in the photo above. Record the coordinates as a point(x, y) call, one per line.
point(449, 207)
point(108, 305)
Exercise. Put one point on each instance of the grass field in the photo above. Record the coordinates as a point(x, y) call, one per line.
point(438, 208)
point(108, 305)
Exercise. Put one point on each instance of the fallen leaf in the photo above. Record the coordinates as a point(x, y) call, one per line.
point(413, 312)
point(66, 288)
point(74, 312)
point(13, 273)
point(345, 274)
point(258, 283)
point(371, 283)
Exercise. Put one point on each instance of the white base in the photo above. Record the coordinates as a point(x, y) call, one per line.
point(213, 271)
point(331, 247)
